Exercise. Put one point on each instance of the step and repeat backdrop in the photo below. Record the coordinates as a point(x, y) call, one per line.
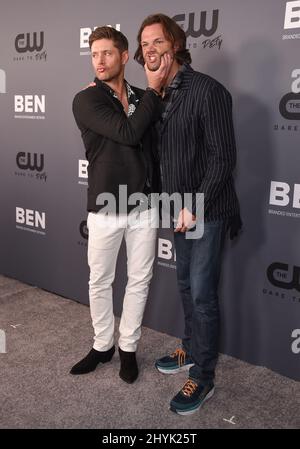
point(250, 47)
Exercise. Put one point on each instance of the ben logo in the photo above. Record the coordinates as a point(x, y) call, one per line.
point(2, 82)
point(281, 194)
point(166, 250)
point(30, 104)
point(83, 171)
point(296, 343)
point(2, 342)
point(85, 34)
point(289, 105)
point(83, 229)
point(82, 168)
point(31, 219)
point(29, 161)
point(282, 276)
point(292, 15)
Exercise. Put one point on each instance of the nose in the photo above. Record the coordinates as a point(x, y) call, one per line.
point(100, 59)
point(151, 48)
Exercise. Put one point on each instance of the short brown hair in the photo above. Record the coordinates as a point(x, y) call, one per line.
point(173, 33)
point(120, 41)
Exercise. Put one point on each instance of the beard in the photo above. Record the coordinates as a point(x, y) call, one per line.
point(110, 75)
point(153, 66)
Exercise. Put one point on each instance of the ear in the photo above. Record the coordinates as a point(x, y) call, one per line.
point(125, 57)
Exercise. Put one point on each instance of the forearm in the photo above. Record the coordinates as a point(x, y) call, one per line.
point(103, 119)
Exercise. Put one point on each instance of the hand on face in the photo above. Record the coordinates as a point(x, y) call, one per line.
point(157, 77)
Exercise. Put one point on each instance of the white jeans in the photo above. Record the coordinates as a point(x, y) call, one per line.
point(105, 237)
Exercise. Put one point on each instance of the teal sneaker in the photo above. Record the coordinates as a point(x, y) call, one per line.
point(191, 397)
point(174, 363)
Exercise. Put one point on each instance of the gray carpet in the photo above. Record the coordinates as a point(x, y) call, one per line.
point(47, 334)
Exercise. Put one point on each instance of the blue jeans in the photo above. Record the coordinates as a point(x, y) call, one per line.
point(198, 272)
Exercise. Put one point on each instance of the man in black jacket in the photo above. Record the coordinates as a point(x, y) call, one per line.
point(197, 152)
point(113, 118)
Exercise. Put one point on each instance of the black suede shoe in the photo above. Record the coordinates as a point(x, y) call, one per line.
point(129, 369)
point(90, 362)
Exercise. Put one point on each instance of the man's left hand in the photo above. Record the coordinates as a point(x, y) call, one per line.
point(185, 221)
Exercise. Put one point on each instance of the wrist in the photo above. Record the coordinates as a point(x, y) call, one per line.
point(156, 91)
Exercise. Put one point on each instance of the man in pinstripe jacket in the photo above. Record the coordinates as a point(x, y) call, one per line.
point(197, 154)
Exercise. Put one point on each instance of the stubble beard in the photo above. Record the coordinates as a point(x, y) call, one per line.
point(112, 77)
point(153, 66)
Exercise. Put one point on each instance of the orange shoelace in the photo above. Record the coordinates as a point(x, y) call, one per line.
point(181, 354)
point(189, 388)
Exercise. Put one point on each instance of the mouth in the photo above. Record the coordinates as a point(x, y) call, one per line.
point(100, 70)
point(152, 58)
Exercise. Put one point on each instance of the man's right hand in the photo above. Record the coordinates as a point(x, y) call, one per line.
point(89, 85)
point(158, 78)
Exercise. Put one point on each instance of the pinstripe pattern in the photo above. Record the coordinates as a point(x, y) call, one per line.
point(197, 144)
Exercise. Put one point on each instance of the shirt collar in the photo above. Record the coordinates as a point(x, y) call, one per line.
point(130, 92)
point(177, 80)
point(133, 100)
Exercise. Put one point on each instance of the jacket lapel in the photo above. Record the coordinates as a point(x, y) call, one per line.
point(182, 92)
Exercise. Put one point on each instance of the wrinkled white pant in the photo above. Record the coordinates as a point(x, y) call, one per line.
point(105, 237)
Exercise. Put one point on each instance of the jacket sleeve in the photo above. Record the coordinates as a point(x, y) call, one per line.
point(219, 138)
point(95, 113)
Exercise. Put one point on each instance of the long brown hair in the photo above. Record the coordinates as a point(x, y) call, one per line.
point(173, 33)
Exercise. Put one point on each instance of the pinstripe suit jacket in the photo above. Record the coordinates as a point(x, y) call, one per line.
point(197, 145)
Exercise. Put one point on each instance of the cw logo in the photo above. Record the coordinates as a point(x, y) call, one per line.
point(27, 161)
point(23, 44)
point(202, 28)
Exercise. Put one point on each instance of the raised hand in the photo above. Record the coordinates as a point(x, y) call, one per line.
point(157, 78)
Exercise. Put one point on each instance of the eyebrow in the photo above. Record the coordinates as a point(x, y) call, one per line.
point(99, 51)
point(156, 39)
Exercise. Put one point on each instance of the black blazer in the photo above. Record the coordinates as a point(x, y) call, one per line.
point(117, 148)
point(197, 145)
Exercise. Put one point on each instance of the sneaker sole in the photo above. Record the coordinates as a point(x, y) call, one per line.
point(190, 412)
point(174, 371)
